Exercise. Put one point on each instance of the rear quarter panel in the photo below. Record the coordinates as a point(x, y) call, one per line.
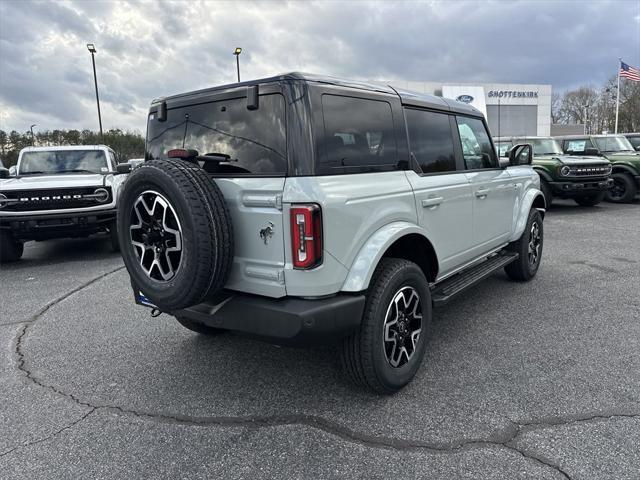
point(354, 207)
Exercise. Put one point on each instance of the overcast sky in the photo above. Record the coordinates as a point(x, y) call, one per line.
point(150, 49)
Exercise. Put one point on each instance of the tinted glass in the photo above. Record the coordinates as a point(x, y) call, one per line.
point(254, 140)
point(358, 136)
point(476, 145)
point(61, 161)
point(635, 142)
point(431, 141)
point(577, 146)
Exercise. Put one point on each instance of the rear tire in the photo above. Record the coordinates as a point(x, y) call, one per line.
point(590, 200)
point(10, 249)
point(624, 188)
point(529, 247)
point(397, 295)
point(547, 193)
point(175, 233)
point(199, 327)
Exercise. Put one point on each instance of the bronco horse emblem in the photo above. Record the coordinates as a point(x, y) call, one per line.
point(266, 233)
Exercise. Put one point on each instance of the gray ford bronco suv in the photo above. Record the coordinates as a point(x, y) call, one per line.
point(58, 192)
point(303, 209)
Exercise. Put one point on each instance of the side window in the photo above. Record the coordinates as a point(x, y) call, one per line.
point(358, 136)
point(476, 145)
point(431, 140)
point(577, 146)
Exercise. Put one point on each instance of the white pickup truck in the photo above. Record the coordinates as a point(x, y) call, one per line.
point(58, 192)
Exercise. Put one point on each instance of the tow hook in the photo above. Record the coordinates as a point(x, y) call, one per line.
point(155, 312)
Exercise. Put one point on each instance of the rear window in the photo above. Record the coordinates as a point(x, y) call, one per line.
point(254, 140)
point(358, 136)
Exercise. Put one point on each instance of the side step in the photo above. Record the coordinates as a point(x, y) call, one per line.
point(442, 292)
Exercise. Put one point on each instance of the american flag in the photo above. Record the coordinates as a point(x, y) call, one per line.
point(627, 71)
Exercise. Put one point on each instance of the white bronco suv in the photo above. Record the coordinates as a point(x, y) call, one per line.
point(68, 191)
point(303, 209)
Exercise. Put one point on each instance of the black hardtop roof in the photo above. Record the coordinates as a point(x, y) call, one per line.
point(407, 97)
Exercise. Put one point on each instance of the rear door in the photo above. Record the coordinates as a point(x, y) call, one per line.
point(441, 188)
point(251, 176)
point(492, 187)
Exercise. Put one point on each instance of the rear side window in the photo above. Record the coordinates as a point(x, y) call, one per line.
point(358, 136)
point(431, 141)
point(577, 146)
point(476, 145)
point(254, 140)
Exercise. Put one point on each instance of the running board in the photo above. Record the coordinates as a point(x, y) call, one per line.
point(442, 292)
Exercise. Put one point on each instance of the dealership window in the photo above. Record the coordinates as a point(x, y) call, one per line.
point(431, 140)
point(358, 136)
point(477, 150)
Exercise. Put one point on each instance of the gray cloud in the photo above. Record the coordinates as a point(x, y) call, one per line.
point(148, 49)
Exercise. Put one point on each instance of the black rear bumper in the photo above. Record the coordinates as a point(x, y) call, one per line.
point(579, 188)
point(286, 321)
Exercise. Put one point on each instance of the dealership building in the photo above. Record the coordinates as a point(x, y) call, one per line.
point(510, 108)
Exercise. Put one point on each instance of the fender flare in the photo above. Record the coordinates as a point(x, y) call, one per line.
point(623, 168)
point(525, 206)
point(543, 174)
point(373, 250)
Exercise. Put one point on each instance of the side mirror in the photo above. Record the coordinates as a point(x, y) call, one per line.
point(521, 154)
point(122, 168)
point(4, 173)
point(591, 152)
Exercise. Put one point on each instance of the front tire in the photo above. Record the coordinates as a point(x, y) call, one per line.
point(624, 189)
point(385, 353)
point(590, 200)
point(199, 327)
point(10, 249)
point(547, 193)
point(529, 247)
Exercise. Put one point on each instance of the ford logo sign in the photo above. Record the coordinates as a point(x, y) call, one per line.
point(465, 98)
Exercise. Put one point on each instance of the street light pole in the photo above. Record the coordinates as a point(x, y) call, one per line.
point(93, 50)
point(33, 138)
point(237, 53)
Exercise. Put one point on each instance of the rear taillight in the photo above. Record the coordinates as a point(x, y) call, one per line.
point(306, 235)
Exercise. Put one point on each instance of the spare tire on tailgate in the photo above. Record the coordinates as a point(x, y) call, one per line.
point(175, 233)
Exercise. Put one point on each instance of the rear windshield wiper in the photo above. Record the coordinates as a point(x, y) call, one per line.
point(33, 172)
point(76, 170)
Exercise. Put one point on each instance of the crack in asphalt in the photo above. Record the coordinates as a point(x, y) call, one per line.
point(505, 438)
point(49, 437)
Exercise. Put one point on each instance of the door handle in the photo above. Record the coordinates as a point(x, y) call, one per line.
point(482, 192)
point(432, 201)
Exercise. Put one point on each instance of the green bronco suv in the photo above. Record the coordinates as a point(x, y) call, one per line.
point(585, 179)
point(624, 160)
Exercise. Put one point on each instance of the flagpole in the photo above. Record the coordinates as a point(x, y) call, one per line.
point(618, 94)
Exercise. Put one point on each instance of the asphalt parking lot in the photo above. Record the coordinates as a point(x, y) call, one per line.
point(537, 380)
